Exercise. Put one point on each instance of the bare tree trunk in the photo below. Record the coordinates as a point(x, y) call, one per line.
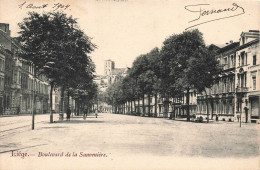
point(76, 107)
point(212, 108)
point(131, 105)
point(124, 108)
point(188, 104)
point(34, 102)
point(207, 107)
point(51, 113)
point(138, 109)
point(155, 105)
point(61, 114)
point(149, 105)
point(97, 105)
point(68, 98)
point(166, 106)
point(143, 107)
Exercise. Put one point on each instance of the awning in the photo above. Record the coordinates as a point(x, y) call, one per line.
point(254, 94)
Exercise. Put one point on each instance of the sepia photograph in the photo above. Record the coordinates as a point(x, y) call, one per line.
point(129, 84)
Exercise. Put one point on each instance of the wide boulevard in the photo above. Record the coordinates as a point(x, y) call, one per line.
point(114, 141)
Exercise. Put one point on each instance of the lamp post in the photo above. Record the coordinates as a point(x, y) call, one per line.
point(34, 94)
point(238, 100)
point(240, 117)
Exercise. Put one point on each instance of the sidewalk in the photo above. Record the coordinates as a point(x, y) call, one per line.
point(26, 114)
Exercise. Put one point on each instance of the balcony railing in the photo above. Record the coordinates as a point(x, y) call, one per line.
point(16, 86)
point(242, 89)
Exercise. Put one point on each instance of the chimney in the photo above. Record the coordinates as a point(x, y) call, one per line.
point(5, 27)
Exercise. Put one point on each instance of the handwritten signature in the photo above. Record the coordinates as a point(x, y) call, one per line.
point(55, 6)
point(203, 12)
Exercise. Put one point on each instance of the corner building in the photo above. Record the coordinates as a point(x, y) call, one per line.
point(247, 78)
point(236, 91)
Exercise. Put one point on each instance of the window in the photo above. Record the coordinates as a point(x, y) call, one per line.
point(242, 80)
point(232, 61)
point(245, 58)
point(254, 82)
point(7, 102)
point(245, 80)
point(242, 59)
point(1, 82)
point(243, 40)
point(254, 60)
point(0, 64)
point(239, 61)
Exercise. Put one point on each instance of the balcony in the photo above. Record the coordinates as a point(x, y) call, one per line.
point(16, 86)
point(242, 89)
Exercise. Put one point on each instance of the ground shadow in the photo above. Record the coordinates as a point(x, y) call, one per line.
point(78, 121)
point(81, 117)
point(53, 127)
point(22, 148)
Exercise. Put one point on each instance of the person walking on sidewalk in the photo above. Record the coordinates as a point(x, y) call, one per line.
point(68, 114)
point(85, 113)
point(96, 113)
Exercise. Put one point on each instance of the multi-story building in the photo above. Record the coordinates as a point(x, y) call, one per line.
point(220, 97)
point(3, 54)
point(113, 74)
point(6, 50)
point(235, 92)
point(20, 84)
point(247, 75)
point(109, 66)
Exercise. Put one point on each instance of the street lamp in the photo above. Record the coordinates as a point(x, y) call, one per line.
point(238, 99)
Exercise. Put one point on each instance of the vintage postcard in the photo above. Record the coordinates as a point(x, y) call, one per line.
point(129, 84)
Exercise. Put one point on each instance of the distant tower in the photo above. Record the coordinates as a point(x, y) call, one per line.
point(109, 66)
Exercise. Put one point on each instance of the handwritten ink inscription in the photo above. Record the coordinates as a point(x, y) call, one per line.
point(201, 13)
point(55, 6)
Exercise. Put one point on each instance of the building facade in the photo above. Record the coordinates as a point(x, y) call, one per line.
point(247, 78)
point(234, 95)
point(2, 77)
point(19, 85)
point(109, 66)
point(220, 98)
point(111, 75)
point(235, 92)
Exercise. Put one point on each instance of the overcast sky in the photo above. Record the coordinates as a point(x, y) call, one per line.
point(123, 29)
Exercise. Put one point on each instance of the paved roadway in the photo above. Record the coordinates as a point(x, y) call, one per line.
point(125, 142)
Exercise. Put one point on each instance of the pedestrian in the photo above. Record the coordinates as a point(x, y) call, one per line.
point(18, 110)
point(96, 113)
point(68, 114)
point(85, 113)
point(246, 113)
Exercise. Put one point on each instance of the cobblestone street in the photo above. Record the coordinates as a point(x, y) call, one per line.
point(122, 140)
